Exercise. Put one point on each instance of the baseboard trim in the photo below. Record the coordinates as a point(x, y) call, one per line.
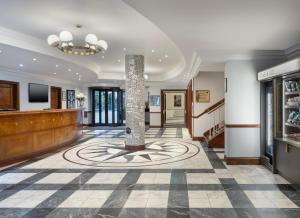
point(154, 126)
point(198, 138)
point(243, 160)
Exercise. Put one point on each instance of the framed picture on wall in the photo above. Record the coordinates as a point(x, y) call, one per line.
point(70, 98)
point(177, 101)
point(202, 96)
point(154, 100)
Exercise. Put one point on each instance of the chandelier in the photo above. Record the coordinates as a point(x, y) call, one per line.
point(64, 42)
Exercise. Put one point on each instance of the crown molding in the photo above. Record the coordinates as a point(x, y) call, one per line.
point(293, 51)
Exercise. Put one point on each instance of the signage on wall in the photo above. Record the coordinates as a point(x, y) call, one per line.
point(287, 67)
point(202, 96)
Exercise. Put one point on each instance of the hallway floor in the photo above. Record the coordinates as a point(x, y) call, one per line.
point(173, 177)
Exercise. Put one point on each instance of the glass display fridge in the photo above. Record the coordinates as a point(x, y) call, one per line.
point(291, 112)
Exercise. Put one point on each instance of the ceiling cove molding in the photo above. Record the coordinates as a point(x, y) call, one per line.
point(179, 69)
point(27, 75)
point(293, 51)
point(23, 41)
point(193, 68)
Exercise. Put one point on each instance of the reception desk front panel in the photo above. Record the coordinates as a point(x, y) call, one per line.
point(27, 134)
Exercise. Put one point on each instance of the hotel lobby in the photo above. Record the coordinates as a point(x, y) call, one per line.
point(135, 108)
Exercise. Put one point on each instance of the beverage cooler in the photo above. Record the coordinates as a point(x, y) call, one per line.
point(280, 119)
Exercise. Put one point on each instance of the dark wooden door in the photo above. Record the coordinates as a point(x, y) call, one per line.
point(189, 104)
point(163, 108)
point(9, 95)
point(55, 97)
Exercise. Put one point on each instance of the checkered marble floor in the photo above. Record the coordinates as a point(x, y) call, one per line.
point(198, 185)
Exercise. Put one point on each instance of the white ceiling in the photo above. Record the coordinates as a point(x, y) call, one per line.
point(196, 34)
point(111, 20)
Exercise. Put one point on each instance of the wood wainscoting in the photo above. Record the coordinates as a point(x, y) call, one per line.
point(9, 95)
point(24, 135)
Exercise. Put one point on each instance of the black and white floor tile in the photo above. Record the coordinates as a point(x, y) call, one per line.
point(173, 177)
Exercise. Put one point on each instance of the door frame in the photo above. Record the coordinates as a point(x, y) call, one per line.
point(106, 89)
point(163, 105)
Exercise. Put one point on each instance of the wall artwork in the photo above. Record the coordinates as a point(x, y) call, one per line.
point(177, 100)
point(70, 98)
point(154, 100)
point(202, 96)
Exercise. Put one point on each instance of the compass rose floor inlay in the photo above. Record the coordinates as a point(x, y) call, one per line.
point(112, 153)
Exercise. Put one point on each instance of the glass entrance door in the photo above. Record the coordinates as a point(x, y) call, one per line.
point(108, 107)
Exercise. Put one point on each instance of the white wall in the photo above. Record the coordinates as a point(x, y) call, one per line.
point(213, 81)
point(171, 110)
point(242, 106)
point(25, 78)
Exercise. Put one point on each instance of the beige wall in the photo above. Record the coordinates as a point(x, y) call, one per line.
point(171, 110)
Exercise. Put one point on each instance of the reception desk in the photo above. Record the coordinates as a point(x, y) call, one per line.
point(27, 134)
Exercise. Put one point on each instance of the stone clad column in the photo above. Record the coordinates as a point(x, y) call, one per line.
point(135, 102)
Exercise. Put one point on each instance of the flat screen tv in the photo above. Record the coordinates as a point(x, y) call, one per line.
point(38, 92)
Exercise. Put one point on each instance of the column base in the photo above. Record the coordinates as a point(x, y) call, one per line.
point(134, 147)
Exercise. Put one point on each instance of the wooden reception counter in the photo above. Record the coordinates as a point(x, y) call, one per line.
point(27, 134)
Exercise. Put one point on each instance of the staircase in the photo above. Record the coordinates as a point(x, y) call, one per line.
point(214, 135)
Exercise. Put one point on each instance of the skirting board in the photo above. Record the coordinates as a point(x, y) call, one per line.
point(243, 160)
point(153, 126)
point(198, 138)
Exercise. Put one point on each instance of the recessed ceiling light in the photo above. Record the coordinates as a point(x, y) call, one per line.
point(102, 56)
point(166, 56)
point(69, 70)
point(77, 73)
point(56, 65)
point(124, 49)
point(146, 76)
point(152, 50)
point(0, 51)
point(21, 65)
point(54, 73)
point(119, 60)
point(34, 59)
point(160, 60)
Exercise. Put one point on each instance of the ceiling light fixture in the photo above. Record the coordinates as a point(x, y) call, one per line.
point(124, 49)
point(56, 65)
point(119, 61)
point(0, 51)
point(166, 56)
point(146, 77)
point(160, 60)
point(54, 73)
point(77, 73)
point(64, 42)
point(34, 59)
point(69, 70)
point(102, 56)
point(21, 65)
point(152, 50)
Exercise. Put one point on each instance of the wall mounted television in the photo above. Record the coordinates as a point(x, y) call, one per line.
point(37, 92)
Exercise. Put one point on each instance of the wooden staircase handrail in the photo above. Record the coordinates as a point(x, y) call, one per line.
point(211, 108)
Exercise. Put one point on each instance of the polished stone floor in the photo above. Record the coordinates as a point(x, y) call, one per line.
point(173, 177)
